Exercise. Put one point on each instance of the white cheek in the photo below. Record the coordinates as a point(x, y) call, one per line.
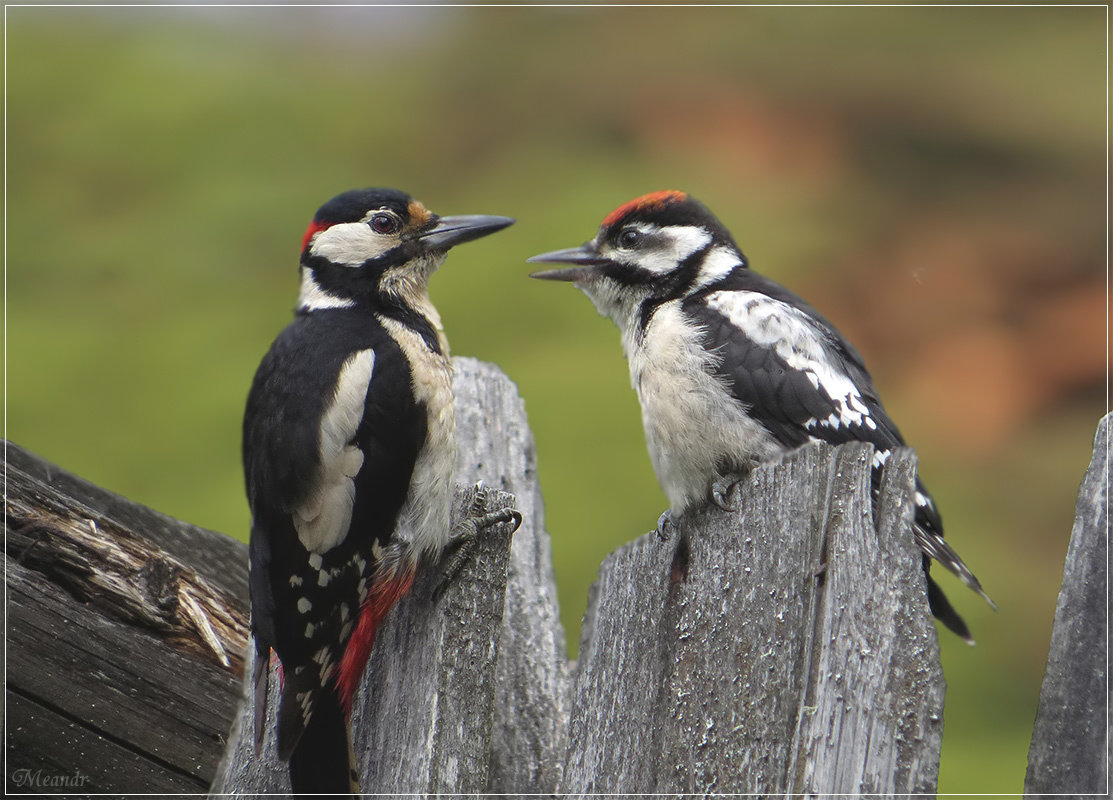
point(351, 243)
point(686, 241)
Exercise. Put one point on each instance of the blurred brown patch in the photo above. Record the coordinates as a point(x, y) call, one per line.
point(745, 132)
point(975, 329)
point(970, 390)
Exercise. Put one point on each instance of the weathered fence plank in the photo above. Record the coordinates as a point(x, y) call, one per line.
point(531, 686)
point(732, 659)
point(122, 657)
point(1070, 752)
point(221, 559)
point(876, 681)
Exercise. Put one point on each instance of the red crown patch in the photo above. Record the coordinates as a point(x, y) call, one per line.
point(313, 228)
point(644, 203)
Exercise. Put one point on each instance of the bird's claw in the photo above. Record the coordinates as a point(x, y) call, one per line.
point(479, 502)
point(665, 525)
point(465, 535)
point(721, 490)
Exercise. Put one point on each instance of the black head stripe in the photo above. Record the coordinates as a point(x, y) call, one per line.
point(667, 209)
point(672, 285)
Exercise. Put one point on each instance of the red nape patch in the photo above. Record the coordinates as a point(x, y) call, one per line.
point(313, 228)
point(644, 203)
point(379, 601)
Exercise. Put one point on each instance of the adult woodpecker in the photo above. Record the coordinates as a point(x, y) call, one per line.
point(349, 450)
point(731, 368)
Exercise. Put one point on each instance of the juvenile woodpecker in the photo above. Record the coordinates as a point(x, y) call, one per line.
point(349, 450)
point(731, 369)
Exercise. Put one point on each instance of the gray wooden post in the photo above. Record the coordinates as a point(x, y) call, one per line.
point(531, 686)
point(730, 659)
point(1070, 752)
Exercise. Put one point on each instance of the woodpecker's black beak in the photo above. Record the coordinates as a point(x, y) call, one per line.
point(585, 258)
point(451, 231)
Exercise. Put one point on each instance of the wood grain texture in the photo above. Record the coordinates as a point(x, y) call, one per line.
point(1069, 753)
point(123, 660)
point(426, 708)
point(783, 647)
point(220, 558)
point(874, 719)
point(531, 686)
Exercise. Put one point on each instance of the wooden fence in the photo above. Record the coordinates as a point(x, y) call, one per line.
point(782, 648)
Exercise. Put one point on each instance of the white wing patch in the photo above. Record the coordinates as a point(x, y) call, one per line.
point(788, 332)
point(322, 520)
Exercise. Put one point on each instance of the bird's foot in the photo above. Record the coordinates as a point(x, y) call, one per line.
point(465, 535)
point(721, 491)
point(665, 526)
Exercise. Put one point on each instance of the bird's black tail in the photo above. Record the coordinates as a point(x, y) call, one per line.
point(942, 609)
point(321, 761)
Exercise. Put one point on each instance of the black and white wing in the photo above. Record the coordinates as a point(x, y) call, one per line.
point(799, 378)
point(792, 370)
point(330, 439)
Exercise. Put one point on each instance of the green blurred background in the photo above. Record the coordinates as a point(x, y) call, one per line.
point(932, 179)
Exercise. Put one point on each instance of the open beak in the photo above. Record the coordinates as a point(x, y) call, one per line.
point(451, 231)
point(584, 259)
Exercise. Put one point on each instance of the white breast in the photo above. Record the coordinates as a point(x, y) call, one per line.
point(693, 427)
point(423, 524)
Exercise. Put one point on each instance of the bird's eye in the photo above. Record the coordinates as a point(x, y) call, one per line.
point(385, 224)
point(629, 237)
